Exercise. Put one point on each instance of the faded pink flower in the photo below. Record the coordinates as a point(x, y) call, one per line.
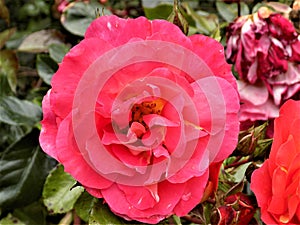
point(265, 49)
point(137, 113)
point(63, 4)
point(276, 183)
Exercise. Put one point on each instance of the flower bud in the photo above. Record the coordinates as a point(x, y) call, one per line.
point(176, 17)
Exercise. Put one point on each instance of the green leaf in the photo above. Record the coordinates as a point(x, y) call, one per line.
point(79, 16)
point(84, 205)
point(58, 51)
point(9, 134)
point(23, 169)
point(40, 41)
point(177, 220)
point(161, 11)
point(59, 192)
point(19, 112)
point(154, 3)
point(240, 172)
point(101, 215)
point(10, 219)
point(230, 11)
point(8, 72)
point(5, 35)
point(205, 23)
point(4, 13)
point(33, 214)
point(46, 67)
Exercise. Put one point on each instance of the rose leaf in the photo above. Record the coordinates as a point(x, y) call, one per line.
point(58, 51)
point(46, 67)
point(230, 11)
point(84, 205)
point(101, 215)
point(79, 15)
point(10, 219)
point(40, 41)
point(59, 193)
point(14, 111)
point(8, 72)
point(33, 214)
point(24, 168)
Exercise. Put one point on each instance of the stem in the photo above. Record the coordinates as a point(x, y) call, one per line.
point(67, 219)
point(193, 219)
point(236, 164)
point(77, 220)
point(239, 8)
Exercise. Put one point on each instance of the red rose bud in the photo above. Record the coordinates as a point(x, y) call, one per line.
point(243, 206)
point(237, 210)
point(265, 49)
point(249, 139)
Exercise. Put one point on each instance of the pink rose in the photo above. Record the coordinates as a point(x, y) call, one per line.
point(137, 113)
point(265, 49)
point(276, 183)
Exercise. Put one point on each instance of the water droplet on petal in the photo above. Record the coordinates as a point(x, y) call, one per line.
point(186, 196)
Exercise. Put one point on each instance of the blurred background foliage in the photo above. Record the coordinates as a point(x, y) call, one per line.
point(34, 37)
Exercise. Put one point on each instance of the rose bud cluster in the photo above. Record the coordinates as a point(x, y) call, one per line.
point(238, 209)
point(265, 49)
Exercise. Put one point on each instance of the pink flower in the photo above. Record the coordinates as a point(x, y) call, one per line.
point(276, 183)
point(265, 49)
point(63, 4)
point(137, 113)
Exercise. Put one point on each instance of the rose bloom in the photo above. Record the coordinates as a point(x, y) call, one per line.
point(276, 183)
point(138, 112)
point(265, 49)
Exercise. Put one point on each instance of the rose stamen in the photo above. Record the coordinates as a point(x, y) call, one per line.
point(139, 110)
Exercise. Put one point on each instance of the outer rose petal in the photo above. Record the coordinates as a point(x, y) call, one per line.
point(117, 31)
point(65, 80)
point(202, 46)
point(263, 190)
point(74, 163)
point(48, 133)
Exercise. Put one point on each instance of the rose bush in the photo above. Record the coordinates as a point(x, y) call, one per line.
point(265, 49)
point(276, 183)
point(138, 111)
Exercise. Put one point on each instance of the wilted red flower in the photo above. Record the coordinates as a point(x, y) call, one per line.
point(137, 113)
point(265, 49)
point(276, 183)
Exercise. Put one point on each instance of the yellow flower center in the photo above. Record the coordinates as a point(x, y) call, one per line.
point(145, 108)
